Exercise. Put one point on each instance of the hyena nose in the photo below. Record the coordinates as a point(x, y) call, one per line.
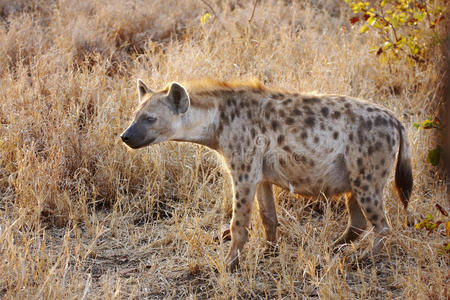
point(124, 136)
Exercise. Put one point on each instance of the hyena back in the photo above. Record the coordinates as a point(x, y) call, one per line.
point(310, 144)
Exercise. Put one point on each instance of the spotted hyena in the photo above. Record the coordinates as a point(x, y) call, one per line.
point(310, 144)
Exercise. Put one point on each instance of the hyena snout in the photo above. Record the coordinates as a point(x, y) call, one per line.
point(135, 137)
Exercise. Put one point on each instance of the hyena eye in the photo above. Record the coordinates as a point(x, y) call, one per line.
point(150, 119)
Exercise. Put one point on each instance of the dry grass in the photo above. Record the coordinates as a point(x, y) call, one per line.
point(83, 217)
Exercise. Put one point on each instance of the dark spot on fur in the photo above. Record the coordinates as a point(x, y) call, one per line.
point(368, 210)
point(249, 114)
point(335, 135)
point(388, 140)
point(380, 121)
point(316, 139)
point(365, 199)
point(365, 187)
point(224, 117)
point(304, 135)
point(237, 223)
point(297, 112)
point(393, 123)
point(263, 129)
point(275, 124)
point(290, 121)
point(357, 182)
point(253, 132)
point(377, 146)
point(336, 115)
point(359, 161)
point(282, 113)
point(311, 100)
point(350, 136)
point(369, 109)
point(277, 96)
point(374, 218)
point(286, 148)
point(361, 139)
point(238, 205)
point(237, 112)
point(325, 111)
point(310, 121)
point(282, 162)
point(280, 139)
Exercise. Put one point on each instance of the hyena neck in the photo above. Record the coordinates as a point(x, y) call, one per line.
point(199, 125)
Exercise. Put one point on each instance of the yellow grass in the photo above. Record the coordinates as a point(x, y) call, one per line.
point(83, 217)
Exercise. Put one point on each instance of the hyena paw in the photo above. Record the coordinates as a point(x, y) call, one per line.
point(232, 263)
point(271, 250)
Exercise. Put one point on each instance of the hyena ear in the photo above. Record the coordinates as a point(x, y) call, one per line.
point(142, 88)
point(179, 98)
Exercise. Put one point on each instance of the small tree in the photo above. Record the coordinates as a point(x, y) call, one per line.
point(407, 27)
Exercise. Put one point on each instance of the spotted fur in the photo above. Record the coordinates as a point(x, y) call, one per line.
point(310, 144)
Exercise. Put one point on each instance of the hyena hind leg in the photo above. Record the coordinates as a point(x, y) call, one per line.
point(372, 205)
point(267, 210)
point(357, 223)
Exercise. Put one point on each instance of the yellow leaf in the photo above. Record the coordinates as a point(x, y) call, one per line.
point(205, 18)
point(364, 29)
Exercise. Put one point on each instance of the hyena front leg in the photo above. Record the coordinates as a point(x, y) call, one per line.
point(242, 207)
point(267, 211)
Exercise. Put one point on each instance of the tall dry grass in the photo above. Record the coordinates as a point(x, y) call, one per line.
point(81, 216)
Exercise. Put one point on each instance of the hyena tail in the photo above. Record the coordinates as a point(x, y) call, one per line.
point(403, 172)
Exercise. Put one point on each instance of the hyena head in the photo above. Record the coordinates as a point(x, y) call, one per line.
point(159, 116)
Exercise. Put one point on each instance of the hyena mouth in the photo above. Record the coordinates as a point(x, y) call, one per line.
point(138, 146)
